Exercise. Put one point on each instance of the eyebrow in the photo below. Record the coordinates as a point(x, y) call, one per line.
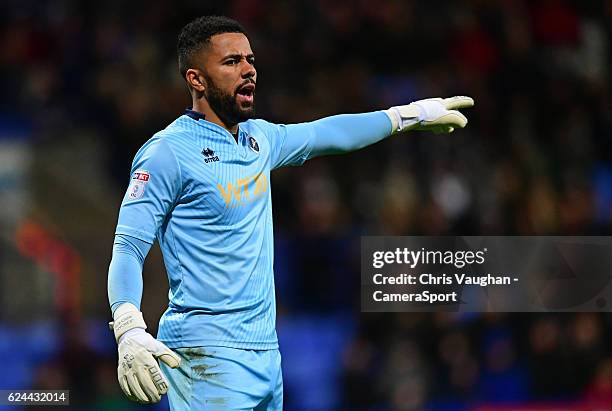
point(236, 56)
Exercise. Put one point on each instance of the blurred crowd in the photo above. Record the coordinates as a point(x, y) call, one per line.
point(534, 160)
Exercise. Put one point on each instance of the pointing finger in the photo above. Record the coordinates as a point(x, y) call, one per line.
point(458, 102)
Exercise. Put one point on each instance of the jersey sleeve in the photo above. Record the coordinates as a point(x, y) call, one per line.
point(292, 144)
point(155, 185)
point(125, 271)
point(289, 144)
point(348, 132)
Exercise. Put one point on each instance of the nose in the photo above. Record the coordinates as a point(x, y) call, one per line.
point(248, 70)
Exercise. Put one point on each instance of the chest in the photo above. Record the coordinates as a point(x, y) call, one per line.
point(226, 181)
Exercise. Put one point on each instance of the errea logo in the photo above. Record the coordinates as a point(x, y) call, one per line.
point(209, 155)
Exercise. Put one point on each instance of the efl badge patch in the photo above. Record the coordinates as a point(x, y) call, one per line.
point(138, 184)
point(253, 144)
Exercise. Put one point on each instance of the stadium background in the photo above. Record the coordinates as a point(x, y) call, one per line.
point(84, 84)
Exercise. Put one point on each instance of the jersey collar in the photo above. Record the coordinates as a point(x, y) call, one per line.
point(196, 115)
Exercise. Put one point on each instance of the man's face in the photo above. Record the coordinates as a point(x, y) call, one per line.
point(230, 75)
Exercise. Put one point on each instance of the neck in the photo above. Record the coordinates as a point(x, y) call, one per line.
point(202, 106)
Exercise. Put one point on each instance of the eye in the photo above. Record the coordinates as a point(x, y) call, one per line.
point(231, 62)
point(251, 60)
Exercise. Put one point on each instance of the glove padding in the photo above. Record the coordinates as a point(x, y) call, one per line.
point(139, 374)
point(433, 114)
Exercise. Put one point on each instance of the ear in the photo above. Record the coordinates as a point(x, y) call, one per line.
point(195, 80)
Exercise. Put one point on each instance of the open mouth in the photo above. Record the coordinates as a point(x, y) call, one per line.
point(246, 92)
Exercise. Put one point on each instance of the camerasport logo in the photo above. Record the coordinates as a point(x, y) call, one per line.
point(139, 182)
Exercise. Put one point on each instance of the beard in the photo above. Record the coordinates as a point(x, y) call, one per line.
point(226, 106)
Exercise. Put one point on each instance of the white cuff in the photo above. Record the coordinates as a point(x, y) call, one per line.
point(395, 117)
point(405, 117)
point(126, 317)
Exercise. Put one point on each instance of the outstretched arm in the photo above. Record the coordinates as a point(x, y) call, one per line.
point(345, 132)
point(348, 132)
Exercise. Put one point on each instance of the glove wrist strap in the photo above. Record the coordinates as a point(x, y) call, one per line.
point(404, 117)
point(127, 317)
point(396, 119)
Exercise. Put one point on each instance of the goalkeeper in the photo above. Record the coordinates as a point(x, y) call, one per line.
point(201, 187)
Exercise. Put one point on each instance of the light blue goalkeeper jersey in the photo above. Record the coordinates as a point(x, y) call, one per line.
point(206, 198)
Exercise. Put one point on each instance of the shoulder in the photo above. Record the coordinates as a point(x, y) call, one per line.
point(179, 130)
point(168, 139)
point(262, 128)
point(157, 145)
point(158, 155)
point(260, 125)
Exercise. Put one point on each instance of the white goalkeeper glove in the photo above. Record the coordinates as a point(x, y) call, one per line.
point(433, 114)
point(139, 374)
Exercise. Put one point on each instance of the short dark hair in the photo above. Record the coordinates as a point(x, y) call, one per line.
point(197, 33)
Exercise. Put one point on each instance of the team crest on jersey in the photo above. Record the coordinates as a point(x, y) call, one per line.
point(253, 144)
point(139, 182)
